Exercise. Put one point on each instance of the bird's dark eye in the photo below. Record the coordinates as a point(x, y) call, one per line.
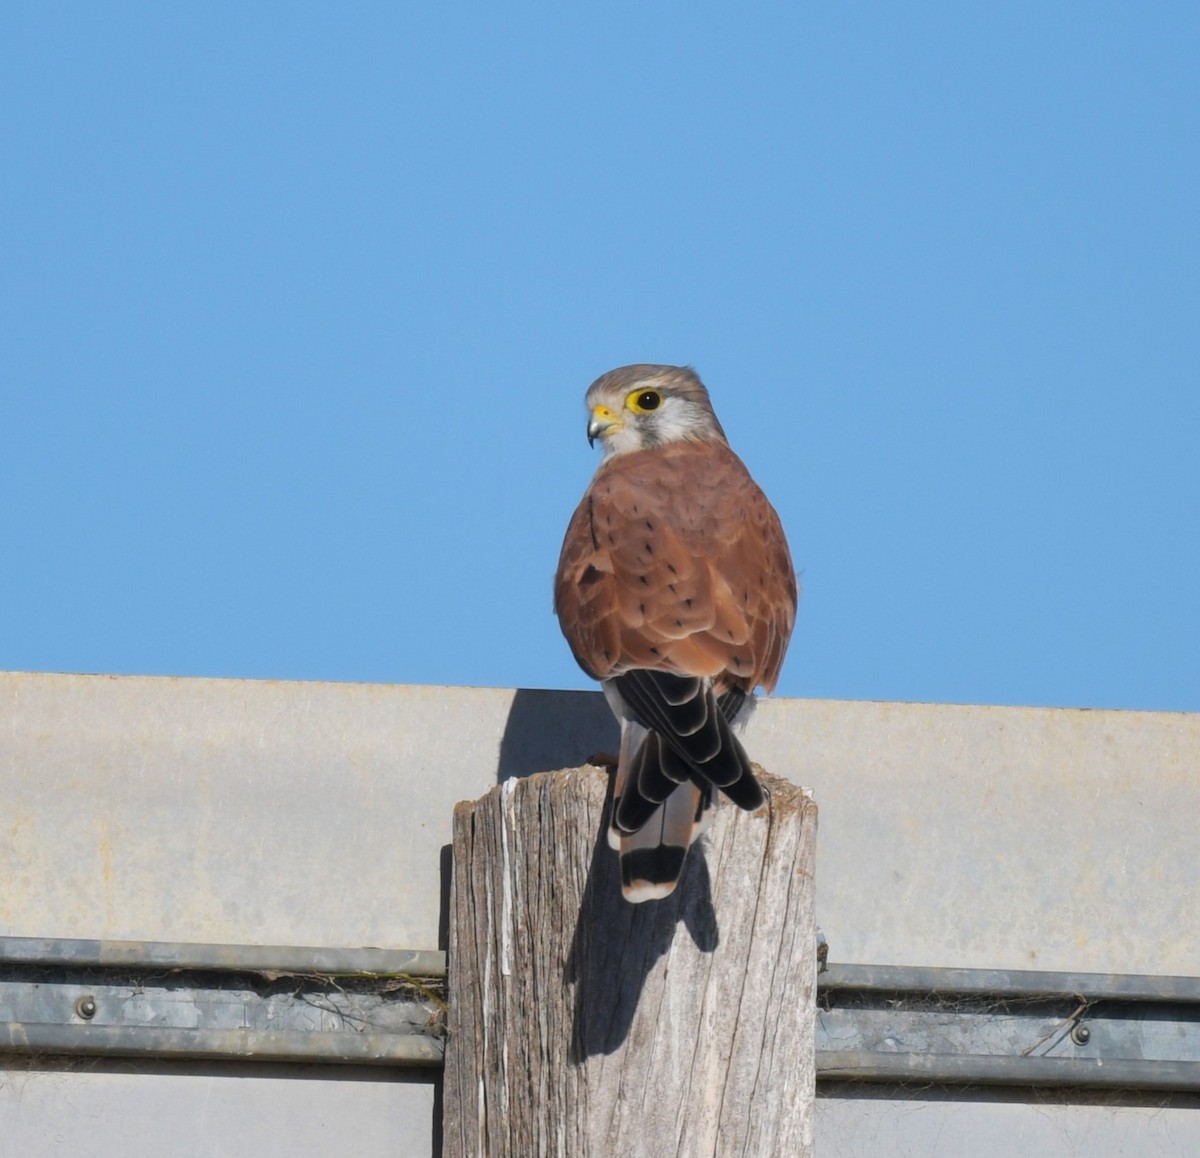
point(648, 400)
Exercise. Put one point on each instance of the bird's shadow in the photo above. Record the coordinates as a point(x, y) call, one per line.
point(615, 944)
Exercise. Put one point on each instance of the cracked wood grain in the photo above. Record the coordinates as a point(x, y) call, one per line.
point(582, 1025)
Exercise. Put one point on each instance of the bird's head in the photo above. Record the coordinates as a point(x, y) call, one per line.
point(638, 407)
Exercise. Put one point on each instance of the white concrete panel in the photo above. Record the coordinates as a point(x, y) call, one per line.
point(234, 810)
point(248, 1112)
point(273, 813)
point(231, 810)
point(872, 1127)
point(1013, 838)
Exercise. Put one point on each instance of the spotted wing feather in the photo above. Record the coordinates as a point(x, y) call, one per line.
point(675, 584)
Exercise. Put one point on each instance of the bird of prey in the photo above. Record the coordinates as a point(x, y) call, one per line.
point(675, 589)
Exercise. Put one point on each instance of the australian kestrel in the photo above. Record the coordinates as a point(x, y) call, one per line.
point(675, 589)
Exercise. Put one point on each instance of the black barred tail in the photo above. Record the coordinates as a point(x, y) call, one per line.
point(652, 858)
point(678, 750)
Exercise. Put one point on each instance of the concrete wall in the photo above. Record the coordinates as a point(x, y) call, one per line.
point(291, 813)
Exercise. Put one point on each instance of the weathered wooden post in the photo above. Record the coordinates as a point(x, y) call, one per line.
point(583, 1025)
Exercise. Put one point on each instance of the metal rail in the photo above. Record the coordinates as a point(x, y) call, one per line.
point(387, 1048)
point(232, 1002)
point(880, 1023)
point(376, 1006)
point(1007, 983)
point(954, 1070)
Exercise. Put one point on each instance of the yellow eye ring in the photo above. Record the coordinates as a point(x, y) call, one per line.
point(643, 401)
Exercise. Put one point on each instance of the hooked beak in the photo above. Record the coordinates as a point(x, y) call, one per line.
point(602, 421)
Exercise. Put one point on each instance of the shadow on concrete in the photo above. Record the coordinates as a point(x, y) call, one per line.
point(446, 875)
point(549, 730)
point(616, 944)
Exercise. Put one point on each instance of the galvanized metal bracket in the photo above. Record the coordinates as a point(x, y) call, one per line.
point(387, 1007)
point(232, 1002)
point(1019, 1028)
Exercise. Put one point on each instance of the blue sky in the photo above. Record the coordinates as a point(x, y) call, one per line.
point(300, 301)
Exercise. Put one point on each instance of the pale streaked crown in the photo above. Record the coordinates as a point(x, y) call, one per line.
point(642, 406)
